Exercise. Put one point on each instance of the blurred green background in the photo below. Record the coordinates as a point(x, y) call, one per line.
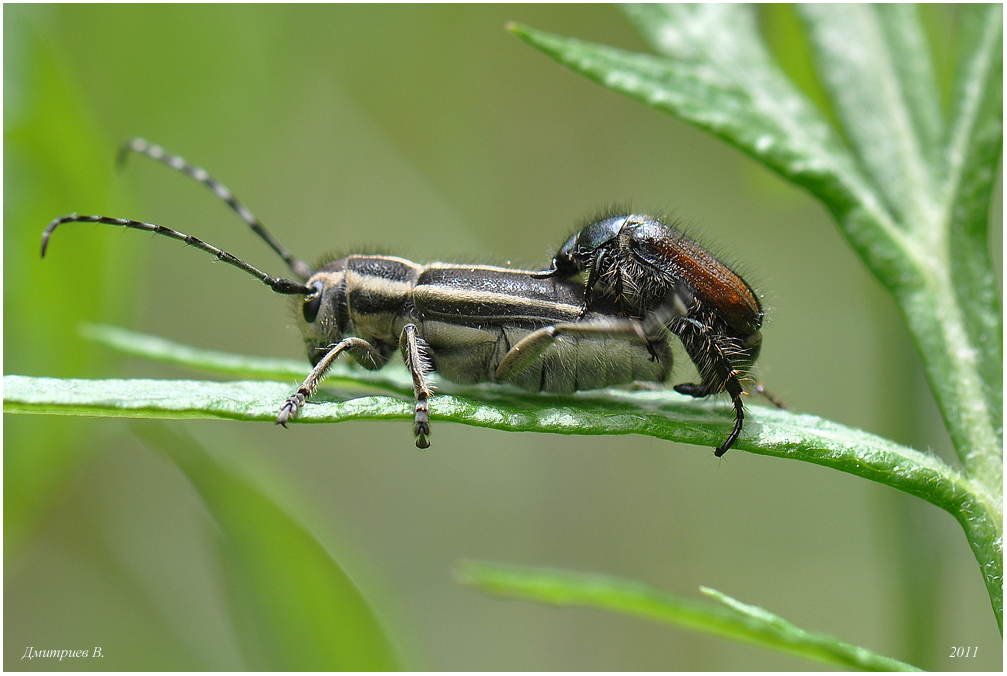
point(431, 133)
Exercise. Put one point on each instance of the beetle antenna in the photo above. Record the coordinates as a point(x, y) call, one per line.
point(277, 284)
point(154, 151)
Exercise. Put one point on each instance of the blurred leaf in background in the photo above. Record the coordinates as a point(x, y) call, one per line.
point(53, 163)
point(295, 607)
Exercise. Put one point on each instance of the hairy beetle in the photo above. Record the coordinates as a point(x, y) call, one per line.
point(654, 272)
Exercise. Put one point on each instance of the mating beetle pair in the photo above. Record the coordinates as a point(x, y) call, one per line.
point(545, 331)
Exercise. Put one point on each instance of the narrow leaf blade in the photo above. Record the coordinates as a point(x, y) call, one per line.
point(155, 348)
point(876, 65)
point(723, 80)
point(666, 415)
point(975, 132)
point(729, 619)
point(913, 61)
point(165, 351)
point(54, 156)
point(975, 144)
point(295, 607)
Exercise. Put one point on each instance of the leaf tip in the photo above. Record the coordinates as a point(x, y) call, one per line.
point(530, 35)
point(717, 596)
point(467, 573)
point(461, 573)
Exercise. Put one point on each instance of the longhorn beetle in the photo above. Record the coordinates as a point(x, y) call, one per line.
point(655, 273)
point(470, 323)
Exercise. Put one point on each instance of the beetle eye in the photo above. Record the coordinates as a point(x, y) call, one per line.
point(312, 303)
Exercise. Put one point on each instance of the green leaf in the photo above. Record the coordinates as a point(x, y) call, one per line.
point(662, 414)
point(975, 132)
point(295, 607)
point(974, 146)
point(875, 62)
point(158, 349)
point(721, 77)
point(728, 619)
point(53, 157)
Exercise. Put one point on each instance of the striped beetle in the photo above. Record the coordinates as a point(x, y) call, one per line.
point(470, 323)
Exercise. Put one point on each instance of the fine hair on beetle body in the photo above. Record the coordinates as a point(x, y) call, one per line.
point(470, 323)
point(655, 273)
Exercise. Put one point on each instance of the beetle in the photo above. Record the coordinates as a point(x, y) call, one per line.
point(652, 271)
point(470, 323)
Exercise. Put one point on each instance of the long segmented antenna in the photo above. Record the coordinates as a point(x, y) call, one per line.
point(277, 284)
point(154, 151)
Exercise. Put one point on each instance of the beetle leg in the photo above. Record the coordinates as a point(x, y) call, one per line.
point(773, 399)
point(527, 350)
point(414, 353)
point(733, 388)
point(361, 351)
point(718, 371)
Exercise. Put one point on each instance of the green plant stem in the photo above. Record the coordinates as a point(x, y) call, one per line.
point(935, 319)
